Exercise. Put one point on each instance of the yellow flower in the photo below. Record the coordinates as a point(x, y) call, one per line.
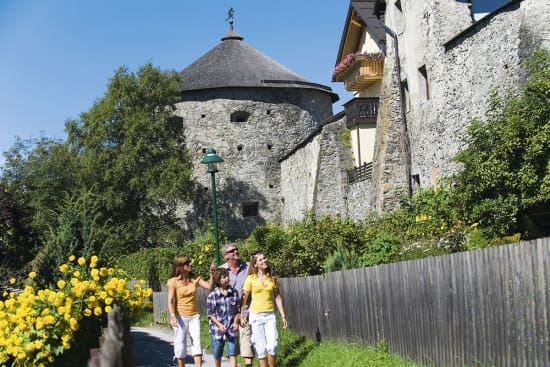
point(73, 324)
point(81, 261)
point(12, 280)
point(32, 274)
point(71, 258)
point(63, 268)
point(61, 284)
point(108, 309)
point(93, 261)
point(97, 311)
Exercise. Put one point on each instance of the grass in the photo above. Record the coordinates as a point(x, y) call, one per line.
point(329, 353)
point(143, 319)
point(298, 351)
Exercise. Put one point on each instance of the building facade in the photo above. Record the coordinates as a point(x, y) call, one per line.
point(439, 68)
point(419, 72)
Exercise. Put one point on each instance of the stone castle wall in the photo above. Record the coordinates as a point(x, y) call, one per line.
point(463, 69)
point(278, 119)
point(463, 63)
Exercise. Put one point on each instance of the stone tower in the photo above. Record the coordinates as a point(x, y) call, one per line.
point(253, 111)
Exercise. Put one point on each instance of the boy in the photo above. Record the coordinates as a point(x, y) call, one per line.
point(222, 307)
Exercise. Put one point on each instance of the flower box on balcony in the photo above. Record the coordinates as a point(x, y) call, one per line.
point(358, 71)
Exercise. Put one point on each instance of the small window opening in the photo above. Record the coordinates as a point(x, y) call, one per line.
point(204, 150)
point(270, 186)
point(205, 188)
point(268, 112)
point(250, 209)
point(240, 116)
point(424, 74)
point(203, 115)
point(416, 181)
point(398, 5)
point(239, 147)
point(406, 96)
point(269, 146)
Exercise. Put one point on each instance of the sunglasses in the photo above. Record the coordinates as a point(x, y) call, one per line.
point(232, 251)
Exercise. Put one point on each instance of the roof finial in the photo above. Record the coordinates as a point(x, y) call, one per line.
point(230, 17)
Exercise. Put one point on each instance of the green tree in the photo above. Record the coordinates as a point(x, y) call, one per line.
point(38, 173)
point(79, 230)
point(506, 163)
point(131, 149)
point(18, 240)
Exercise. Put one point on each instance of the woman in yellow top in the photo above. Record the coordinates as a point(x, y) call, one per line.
point(264, 288)
point(184, 308)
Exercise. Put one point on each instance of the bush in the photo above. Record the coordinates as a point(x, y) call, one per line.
point(42, 326)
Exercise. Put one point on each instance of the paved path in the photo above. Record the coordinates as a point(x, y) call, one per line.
point(154, 348)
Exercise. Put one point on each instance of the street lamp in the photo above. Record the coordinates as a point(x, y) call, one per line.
point(211, 158)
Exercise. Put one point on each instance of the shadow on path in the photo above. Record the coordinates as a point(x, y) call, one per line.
point(152, 351)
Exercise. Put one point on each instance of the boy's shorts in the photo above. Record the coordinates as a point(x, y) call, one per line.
point(218, 344)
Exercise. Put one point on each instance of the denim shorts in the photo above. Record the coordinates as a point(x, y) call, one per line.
point(218, 344)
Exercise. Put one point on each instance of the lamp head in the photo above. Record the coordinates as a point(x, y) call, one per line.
point(211, 158)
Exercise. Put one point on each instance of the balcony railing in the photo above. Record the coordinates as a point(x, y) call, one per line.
point(361, 73)
point(361, 173)
point(361, 109)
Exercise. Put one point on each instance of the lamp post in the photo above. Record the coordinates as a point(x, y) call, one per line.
point(211, 158)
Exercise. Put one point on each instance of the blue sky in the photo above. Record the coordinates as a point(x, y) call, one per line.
point(56, 57)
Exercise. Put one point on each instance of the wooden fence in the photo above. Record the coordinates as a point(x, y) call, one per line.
point(486, 307)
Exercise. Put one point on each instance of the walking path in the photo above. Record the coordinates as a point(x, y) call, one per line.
point(154, 347)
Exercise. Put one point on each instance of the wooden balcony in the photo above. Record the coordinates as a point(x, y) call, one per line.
point(361, 74)
point(361, 110)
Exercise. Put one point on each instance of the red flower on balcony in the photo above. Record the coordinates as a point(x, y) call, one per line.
point(349, 59)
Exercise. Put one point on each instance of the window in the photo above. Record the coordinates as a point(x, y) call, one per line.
point(424, 74)
point(250, 209)
point(398, 5)
point(240, 116)
point(406, 95)
point(415, 180)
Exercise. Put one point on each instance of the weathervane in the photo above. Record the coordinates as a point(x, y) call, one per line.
point(230, 17)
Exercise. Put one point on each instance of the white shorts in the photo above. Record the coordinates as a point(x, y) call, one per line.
point(263, 326)
point(187, 325)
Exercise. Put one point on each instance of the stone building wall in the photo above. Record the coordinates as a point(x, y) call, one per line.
point(278, 120)
point(299, 180)
point(359, 197)
point(464, 63)
point(448, 67)
point(390, 167)
point(314, 177)
point(330, 197)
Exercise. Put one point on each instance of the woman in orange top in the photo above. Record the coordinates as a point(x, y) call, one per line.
point(184, 308)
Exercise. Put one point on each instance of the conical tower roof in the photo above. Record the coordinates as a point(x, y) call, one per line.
point(234, 64)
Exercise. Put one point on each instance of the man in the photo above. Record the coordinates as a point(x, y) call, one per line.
point(238, 270)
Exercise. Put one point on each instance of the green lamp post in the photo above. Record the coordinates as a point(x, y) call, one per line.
point(211, 159)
